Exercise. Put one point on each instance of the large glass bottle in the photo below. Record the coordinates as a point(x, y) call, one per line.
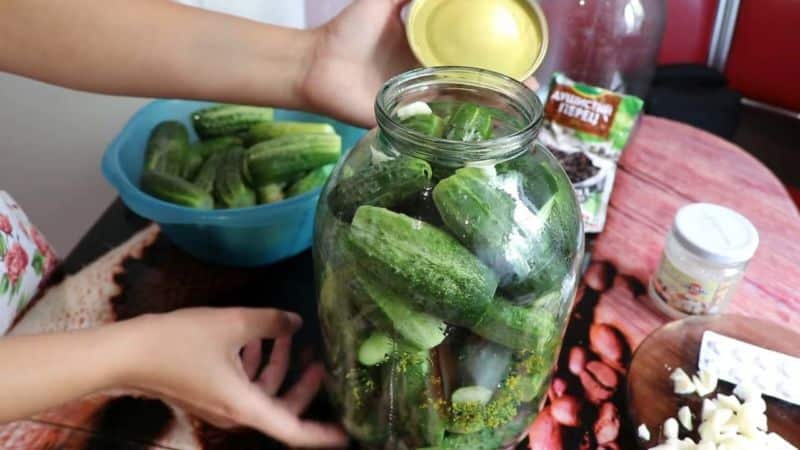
point(607, 43)
point(446, 269)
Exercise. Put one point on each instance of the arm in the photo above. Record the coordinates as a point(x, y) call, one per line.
point(154, 48)
point(157, 48)
point(48, 370)
point(189, 358)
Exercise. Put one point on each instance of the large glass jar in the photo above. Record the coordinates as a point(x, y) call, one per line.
point(446, 269)
point(607, 43)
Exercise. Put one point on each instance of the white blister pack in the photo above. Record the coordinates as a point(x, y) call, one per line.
point(773, 373)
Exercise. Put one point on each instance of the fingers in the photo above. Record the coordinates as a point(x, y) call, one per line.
point(251, 357)
point(264, 323)
point(270, 416)
point(303, 392)
point(531, 83)
point(272, 377)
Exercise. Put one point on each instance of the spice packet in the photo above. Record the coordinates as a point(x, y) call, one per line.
point(587, 128)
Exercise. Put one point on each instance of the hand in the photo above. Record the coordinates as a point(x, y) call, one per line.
point(355, 54)
point(192, 358)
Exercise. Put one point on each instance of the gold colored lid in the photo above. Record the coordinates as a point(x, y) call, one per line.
point(506, 36)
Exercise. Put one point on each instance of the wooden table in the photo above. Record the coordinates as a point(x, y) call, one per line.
point(123, 268)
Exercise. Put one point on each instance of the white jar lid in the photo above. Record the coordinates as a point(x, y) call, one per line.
point(715, 233)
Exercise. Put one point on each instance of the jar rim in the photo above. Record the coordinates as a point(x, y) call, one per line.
point(523, 98)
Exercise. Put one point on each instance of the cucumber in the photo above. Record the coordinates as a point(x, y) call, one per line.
point(418, 392)
point(310, 181)
point(175, 190)
point(383, 184)
point(422, 263)
point(191, 165)
point(282, 159)
point(443, 108)
point(270, 193)
point(375, 349)
point(472, 394)
point(208, 172)
point(479, 209)
point(229, 187)
point(167, 148)
point(515, 327)
point(419, 329)
point(427, 124)
point(215, 145)
point(265, 131)
point(469, 123)
point(224, 119)
point(467, 405)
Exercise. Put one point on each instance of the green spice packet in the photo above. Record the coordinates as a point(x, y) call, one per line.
point(587, 128)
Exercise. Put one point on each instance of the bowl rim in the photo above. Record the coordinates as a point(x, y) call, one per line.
point(160, 211)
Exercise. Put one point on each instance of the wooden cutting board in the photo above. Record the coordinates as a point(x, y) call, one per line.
point(677, 344)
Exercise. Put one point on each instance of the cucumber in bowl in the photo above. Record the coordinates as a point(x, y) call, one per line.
point(235, 236)
point(281, 153)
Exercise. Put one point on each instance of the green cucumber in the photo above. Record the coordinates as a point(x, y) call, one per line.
point(310, 181)
point(418, 391)
point(270, 193)
point(427, 124)
point(284, 158)
point(422, 263)
point(387, 308)
point(383, 184)
point(265, 131)
point(230, 189)
point(208, 172)
point(467, 406)
point(375, 349)
point(224, 120)
point(167, 148)
point(516, 327)
point(175, 190)
point(191, 165)
point(216, 145)
point(479, 209)
point(469, 123)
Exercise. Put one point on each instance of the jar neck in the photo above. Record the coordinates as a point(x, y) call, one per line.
point(518, 109)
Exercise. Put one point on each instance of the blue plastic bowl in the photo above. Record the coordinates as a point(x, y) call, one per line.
point(244, 237)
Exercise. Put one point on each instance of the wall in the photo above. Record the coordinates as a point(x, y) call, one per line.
point(51, 141)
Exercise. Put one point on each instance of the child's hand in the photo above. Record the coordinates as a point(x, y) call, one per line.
point(192, 358)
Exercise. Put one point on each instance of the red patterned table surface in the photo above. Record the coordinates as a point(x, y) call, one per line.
point(665, 166)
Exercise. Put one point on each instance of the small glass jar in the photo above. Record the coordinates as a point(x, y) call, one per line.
point(705, 256)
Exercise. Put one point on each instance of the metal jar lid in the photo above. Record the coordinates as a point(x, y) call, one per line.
point(506, 36)
point(715, 233)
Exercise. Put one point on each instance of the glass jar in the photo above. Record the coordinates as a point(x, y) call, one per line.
point(612, 44)
point(445, 270)
point(705, 256)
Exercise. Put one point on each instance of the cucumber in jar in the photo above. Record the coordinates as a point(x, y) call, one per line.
point(439, 275)
point(484, 211)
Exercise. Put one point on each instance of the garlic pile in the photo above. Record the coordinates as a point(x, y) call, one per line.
point(727, 422)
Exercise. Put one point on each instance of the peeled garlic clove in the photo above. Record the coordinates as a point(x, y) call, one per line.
point(708, 432)
point(643, 432)
point(706, 445)
point(682, 383)
point(720, 417)
point(671, 428)
point(729, 402)
point(708, 407)
point(705, 382)
point(685, 417)
point(413, 109)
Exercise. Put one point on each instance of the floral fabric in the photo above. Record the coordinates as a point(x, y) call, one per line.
point(25, 260)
